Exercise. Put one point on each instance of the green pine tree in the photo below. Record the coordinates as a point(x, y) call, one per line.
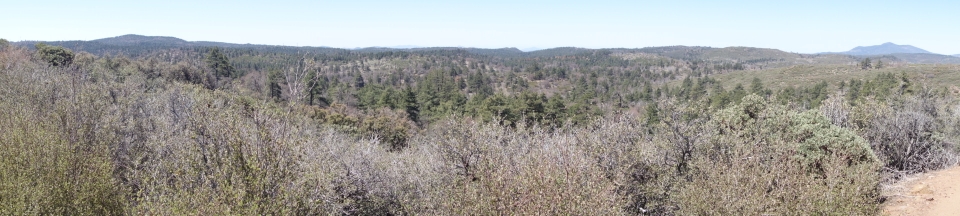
point(756, 86)
point(219, 64)
point(410, 104)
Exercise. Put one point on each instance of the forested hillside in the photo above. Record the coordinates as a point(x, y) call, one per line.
point(169, 127)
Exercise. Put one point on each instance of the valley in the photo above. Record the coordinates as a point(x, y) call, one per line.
point(159, 125)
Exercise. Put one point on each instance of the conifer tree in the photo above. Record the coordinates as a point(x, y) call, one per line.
point(410, 104)
point(756, 86)
point(359, 83)
point(219, 64)
point(865, 64)
point(273, 84)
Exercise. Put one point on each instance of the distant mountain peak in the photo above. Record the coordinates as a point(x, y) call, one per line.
point(884, 49)
point(531, 49)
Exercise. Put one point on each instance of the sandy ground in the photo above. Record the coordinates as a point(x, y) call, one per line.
point(934, 193)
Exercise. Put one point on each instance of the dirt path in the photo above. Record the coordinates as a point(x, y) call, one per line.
point(934, 193)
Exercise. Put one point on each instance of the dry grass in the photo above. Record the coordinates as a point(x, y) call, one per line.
point(935, 76)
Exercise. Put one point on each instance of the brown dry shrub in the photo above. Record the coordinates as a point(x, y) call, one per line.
point(910, 133)
point(494, 169)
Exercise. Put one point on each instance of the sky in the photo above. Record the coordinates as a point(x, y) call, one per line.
point(795, 26)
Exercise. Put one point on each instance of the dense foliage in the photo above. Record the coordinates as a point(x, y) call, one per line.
point(54, 55)
point(204, 130)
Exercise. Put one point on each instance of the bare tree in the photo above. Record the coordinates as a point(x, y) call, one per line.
point(298, 79)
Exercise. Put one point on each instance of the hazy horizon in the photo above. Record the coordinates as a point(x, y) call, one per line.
point(801, 27)
point(401, 47)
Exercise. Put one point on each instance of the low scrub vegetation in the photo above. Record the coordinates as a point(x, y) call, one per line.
point(101, 136)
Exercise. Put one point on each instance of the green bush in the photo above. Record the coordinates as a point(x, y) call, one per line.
point(54, 55)
point(56, 157)
point(763, 159)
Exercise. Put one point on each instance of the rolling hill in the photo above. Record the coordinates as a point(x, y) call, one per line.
point(137, 45)
point(132, 39)
point(927, 58)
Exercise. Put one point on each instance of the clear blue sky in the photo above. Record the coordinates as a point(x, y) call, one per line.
point(796, 26)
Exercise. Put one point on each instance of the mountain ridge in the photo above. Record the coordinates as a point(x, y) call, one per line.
point(134, 45)
point(883, 49)
point(133, 39)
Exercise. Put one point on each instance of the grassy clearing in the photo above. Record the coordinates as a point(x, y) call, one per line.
point(937, 76)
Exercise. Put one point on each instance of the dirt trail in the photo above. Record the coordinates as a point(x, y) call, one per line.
point(934, 193)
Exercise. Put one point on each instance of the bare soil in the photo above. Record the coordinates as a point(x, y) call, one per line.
point(933, 193)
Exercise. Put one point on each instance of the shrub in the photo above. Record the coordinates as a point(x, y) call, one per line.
point(55, 157)
point(54, 55)
point(390, 127)
point(762, 159)
point(909, 134)
point(496, 169)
